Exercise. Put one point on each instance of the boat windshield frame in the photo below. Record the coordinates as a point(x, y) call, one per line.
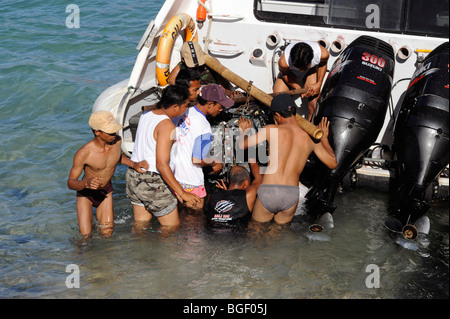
point(412, 17)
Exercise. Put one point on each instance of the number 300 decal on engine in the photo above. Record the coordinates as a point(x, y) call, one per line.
point(373, 59)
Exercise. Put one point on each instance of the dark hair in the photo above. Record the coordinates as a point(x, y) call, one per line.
point(186, 76)
point(290, 111)
point(238, 175)
point(173, 94)
point(301, 55)
point(201, 100)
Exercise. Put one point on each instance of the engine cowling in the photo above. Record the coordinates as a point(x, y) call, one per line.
point(421, 135)
point(355, 99)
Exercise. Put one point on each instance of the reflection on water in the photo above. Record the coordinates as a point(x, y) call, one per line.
point(270, 262)
point(194, 262)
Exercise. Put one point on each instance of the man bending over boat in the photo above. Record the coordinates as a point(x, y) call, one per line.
point(98, 159)
point(289, 149)
point(303, 65)
point(151, 193)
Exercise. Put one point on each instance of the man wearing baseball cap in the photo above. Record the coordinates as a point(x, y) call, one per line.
point(194, 135)
point(289, 149)
point(98, 160)
point(192, 57)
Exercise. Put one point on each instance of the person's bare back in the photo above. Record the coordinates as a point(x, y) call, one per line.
point(289, 149)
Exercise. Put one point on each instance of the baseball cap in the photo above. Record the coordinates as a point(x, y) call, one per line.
point(192, 54)
point(215, 93)
point(104, 121)
point(282, 102)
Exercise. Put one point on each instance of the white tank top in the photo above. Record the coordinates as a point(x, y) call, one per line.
point(145, 144)
point(317, 53)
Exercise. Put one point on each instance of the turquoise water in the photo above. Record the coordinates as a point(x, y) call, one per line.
point(50, 78)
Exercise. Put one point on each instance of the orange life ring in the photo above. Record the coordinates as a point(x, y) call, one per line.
point(181, 21)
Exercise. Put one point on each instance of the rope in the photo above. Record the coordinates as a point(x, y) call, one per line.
point(249, 87)
point(208, 32)
point(247, 101)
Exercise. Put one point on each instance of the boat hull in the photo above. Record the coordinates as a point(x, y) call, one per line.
point(254, 55)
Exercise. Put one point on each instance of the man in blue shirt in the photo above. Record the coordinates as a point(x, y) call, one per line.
point(194, 135)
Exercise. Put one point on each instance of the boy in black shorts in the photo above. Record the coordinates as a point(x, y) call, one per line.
point(98, 160)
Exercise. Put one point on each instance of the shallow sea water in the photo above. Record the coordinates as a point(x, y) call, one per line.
point(50, 78)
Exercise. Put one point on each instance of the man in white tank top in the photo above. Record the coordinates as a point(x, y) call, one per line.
point(302, 65)
point(151, 193)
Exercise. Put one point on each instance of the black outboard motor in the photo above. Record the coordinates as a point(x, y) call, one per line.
point(421, 137)
point(354, 98)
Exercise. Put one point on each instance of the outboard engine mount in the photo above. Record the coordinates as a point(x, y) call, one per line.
point(354, 98)
point(421, 137)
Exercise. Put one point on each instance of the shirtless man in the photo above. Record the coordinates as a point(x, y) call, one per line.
point(151, 193)
point(98, 159)
point(289, 149)
point(303, 65)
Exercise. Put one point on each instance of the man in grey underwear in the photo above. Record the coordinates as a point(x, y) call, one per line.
point(289, 149)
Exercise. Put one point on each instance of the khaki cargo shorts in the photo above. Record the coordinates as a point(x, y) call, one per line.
point(150, 190)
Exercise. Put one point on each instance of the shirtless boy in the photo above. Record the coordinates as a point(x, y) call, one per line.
point(289, 149)
point(98, 159)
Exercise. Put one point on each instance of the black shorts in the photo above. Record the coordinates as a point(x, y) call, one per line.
point(96, 196)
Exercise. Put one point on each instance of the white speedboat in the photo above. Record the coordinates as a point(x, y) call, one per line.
point(385, 94)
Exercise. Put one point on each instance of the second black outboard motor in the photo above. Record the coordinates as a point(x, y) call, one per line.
point(354, 98)
point(421, 137)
